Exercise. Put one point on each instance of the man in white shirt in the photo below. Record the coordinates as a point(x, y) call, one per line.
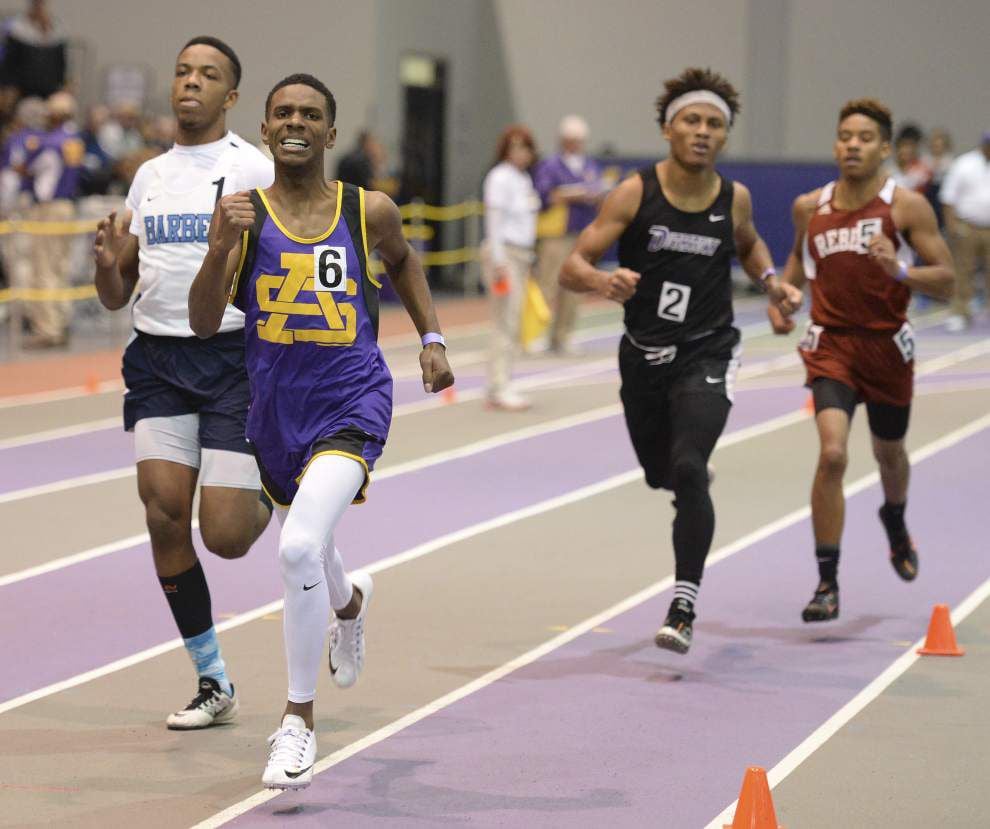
point(965, 197)
point(187, 399)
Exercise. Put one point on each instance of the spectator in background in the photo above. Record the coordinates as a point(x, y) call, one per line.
point(357, 167)
point(511, 205)
point(909, 170)
point(97, 165)
point(16, 197)
point(965, 199)
point(55, 171)
point(34, 53)
point(939, 160)
point(120, 135)
point(570, 187)
point(24, 140)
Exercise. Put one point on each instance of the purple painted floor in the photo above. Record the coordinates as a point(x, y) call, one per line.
point(608, 730)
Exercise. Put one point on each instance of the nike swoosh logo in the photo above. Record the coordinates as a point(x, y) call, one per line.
point(311, 586)
point(713, 218)
point(292, 775)
point(713, 379)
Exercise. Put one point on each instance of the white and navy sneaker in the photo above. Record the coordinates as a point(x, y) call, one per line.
point(676, 632)
point(291, 754)
point(210, 706)
point(347, 637)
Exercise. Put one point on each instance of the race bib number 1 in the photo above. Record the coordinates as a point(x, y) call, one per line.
point(329, 268)
point(674, 299)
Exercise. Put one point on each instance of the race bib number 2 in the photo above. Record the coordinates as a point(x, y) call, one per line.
point(674, 299)
point(329, 268)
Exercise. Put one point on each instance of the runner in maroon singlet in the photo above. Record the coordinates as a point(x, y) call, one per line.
point(852, 243)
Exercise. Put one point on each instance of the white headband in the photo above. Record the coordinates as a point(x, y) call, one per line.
point(698, 96)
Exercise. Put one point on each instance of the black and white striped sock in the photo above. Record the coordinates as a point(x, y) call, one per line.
point(686, 590)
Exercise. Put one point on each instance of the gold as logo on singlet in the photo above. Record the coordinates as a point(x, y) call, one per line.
point(278, 296)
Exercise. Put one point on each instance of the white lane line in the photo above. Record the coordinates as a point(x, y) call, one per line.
point(840, 718)
point(467, 450)
point(67, 483)
point(77, 558)
point(584, 627)
point(418, 551)
point(76, 429)
point(430, 460)
point(68, 393)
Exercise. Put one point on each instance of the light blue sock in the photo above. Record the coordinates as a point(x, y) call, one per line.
point(204, 650)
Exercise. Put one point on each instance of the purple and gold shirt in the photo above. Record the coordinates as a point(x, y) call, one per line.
point(311, 337)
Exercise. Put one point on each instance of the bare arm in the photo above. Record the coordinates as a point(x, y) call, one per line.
point(384, 226)
point(210, 289)
point(616, 214)
point(793, 274)
point(115, 254)
point(914, 216)
point(754, 255)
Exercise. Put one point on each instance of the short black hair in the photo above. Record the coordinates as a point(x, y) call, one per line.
point(873, 109)
point(694, 79)
point(310, 81)
point(909, 132)
point(220, 46)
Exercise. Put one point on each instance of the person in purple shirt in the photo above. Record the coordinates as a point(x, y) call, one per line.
point(54, 169)
point(294, 259)
point(570, 185)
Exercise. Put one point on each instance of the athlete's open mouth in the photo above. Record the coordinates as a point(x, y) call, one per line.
point(294, 144)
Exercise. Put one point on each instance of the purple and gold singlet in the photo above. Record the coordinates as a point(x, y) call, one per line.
point(319, 382)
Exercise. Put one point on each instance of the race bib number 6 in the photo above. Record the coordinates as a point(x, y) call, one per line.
point(674, 299)
point(329, 268)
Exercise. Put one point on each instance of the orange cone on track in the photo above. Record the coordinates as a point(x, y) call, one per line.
point(809, 405)
point(755, 807)
point(92, 383)
point(941, 639)
point(448, 395)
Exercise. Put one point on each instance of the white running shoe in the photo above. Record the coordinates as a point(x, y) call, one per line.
point(508, 401)
point(210, 706)
point(956, 323)
point(291, 754)
point(347, 637)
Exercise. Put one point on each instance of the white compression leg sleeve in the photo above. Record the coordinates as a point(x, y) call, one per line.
point(312, 570)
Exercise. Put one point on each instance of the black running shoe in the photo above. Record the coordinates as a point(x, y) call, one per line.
point(824, 605)
point(675, 633)
point(904, 558)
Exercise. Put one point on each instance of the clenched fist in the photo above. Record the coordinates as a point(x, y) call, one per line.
point(231, 217)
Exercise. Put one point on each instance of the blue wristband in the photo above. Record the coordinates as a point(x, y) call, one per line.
point(433, 337)
point(902, 274)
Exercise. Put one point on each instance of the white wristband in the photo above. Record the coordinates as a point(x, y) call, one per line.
point(433, 337)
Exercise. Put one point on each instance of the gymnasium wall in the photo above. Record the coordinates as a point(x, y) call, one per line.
point(796, 61)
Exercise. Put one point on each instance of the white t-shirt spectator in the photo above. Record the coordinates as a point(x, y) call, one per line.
point(966, 188)
point(172, 199)
point(511, 205)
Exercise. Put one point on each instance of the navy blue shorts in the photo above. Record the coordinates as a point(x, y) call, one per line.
point(169, 376)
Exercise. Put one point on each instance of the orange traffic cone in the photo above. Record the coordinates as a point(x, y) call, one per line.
point(755, 807)
point(941, 639)
point(92, 384)
point(809, 405)
point(449, 395)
